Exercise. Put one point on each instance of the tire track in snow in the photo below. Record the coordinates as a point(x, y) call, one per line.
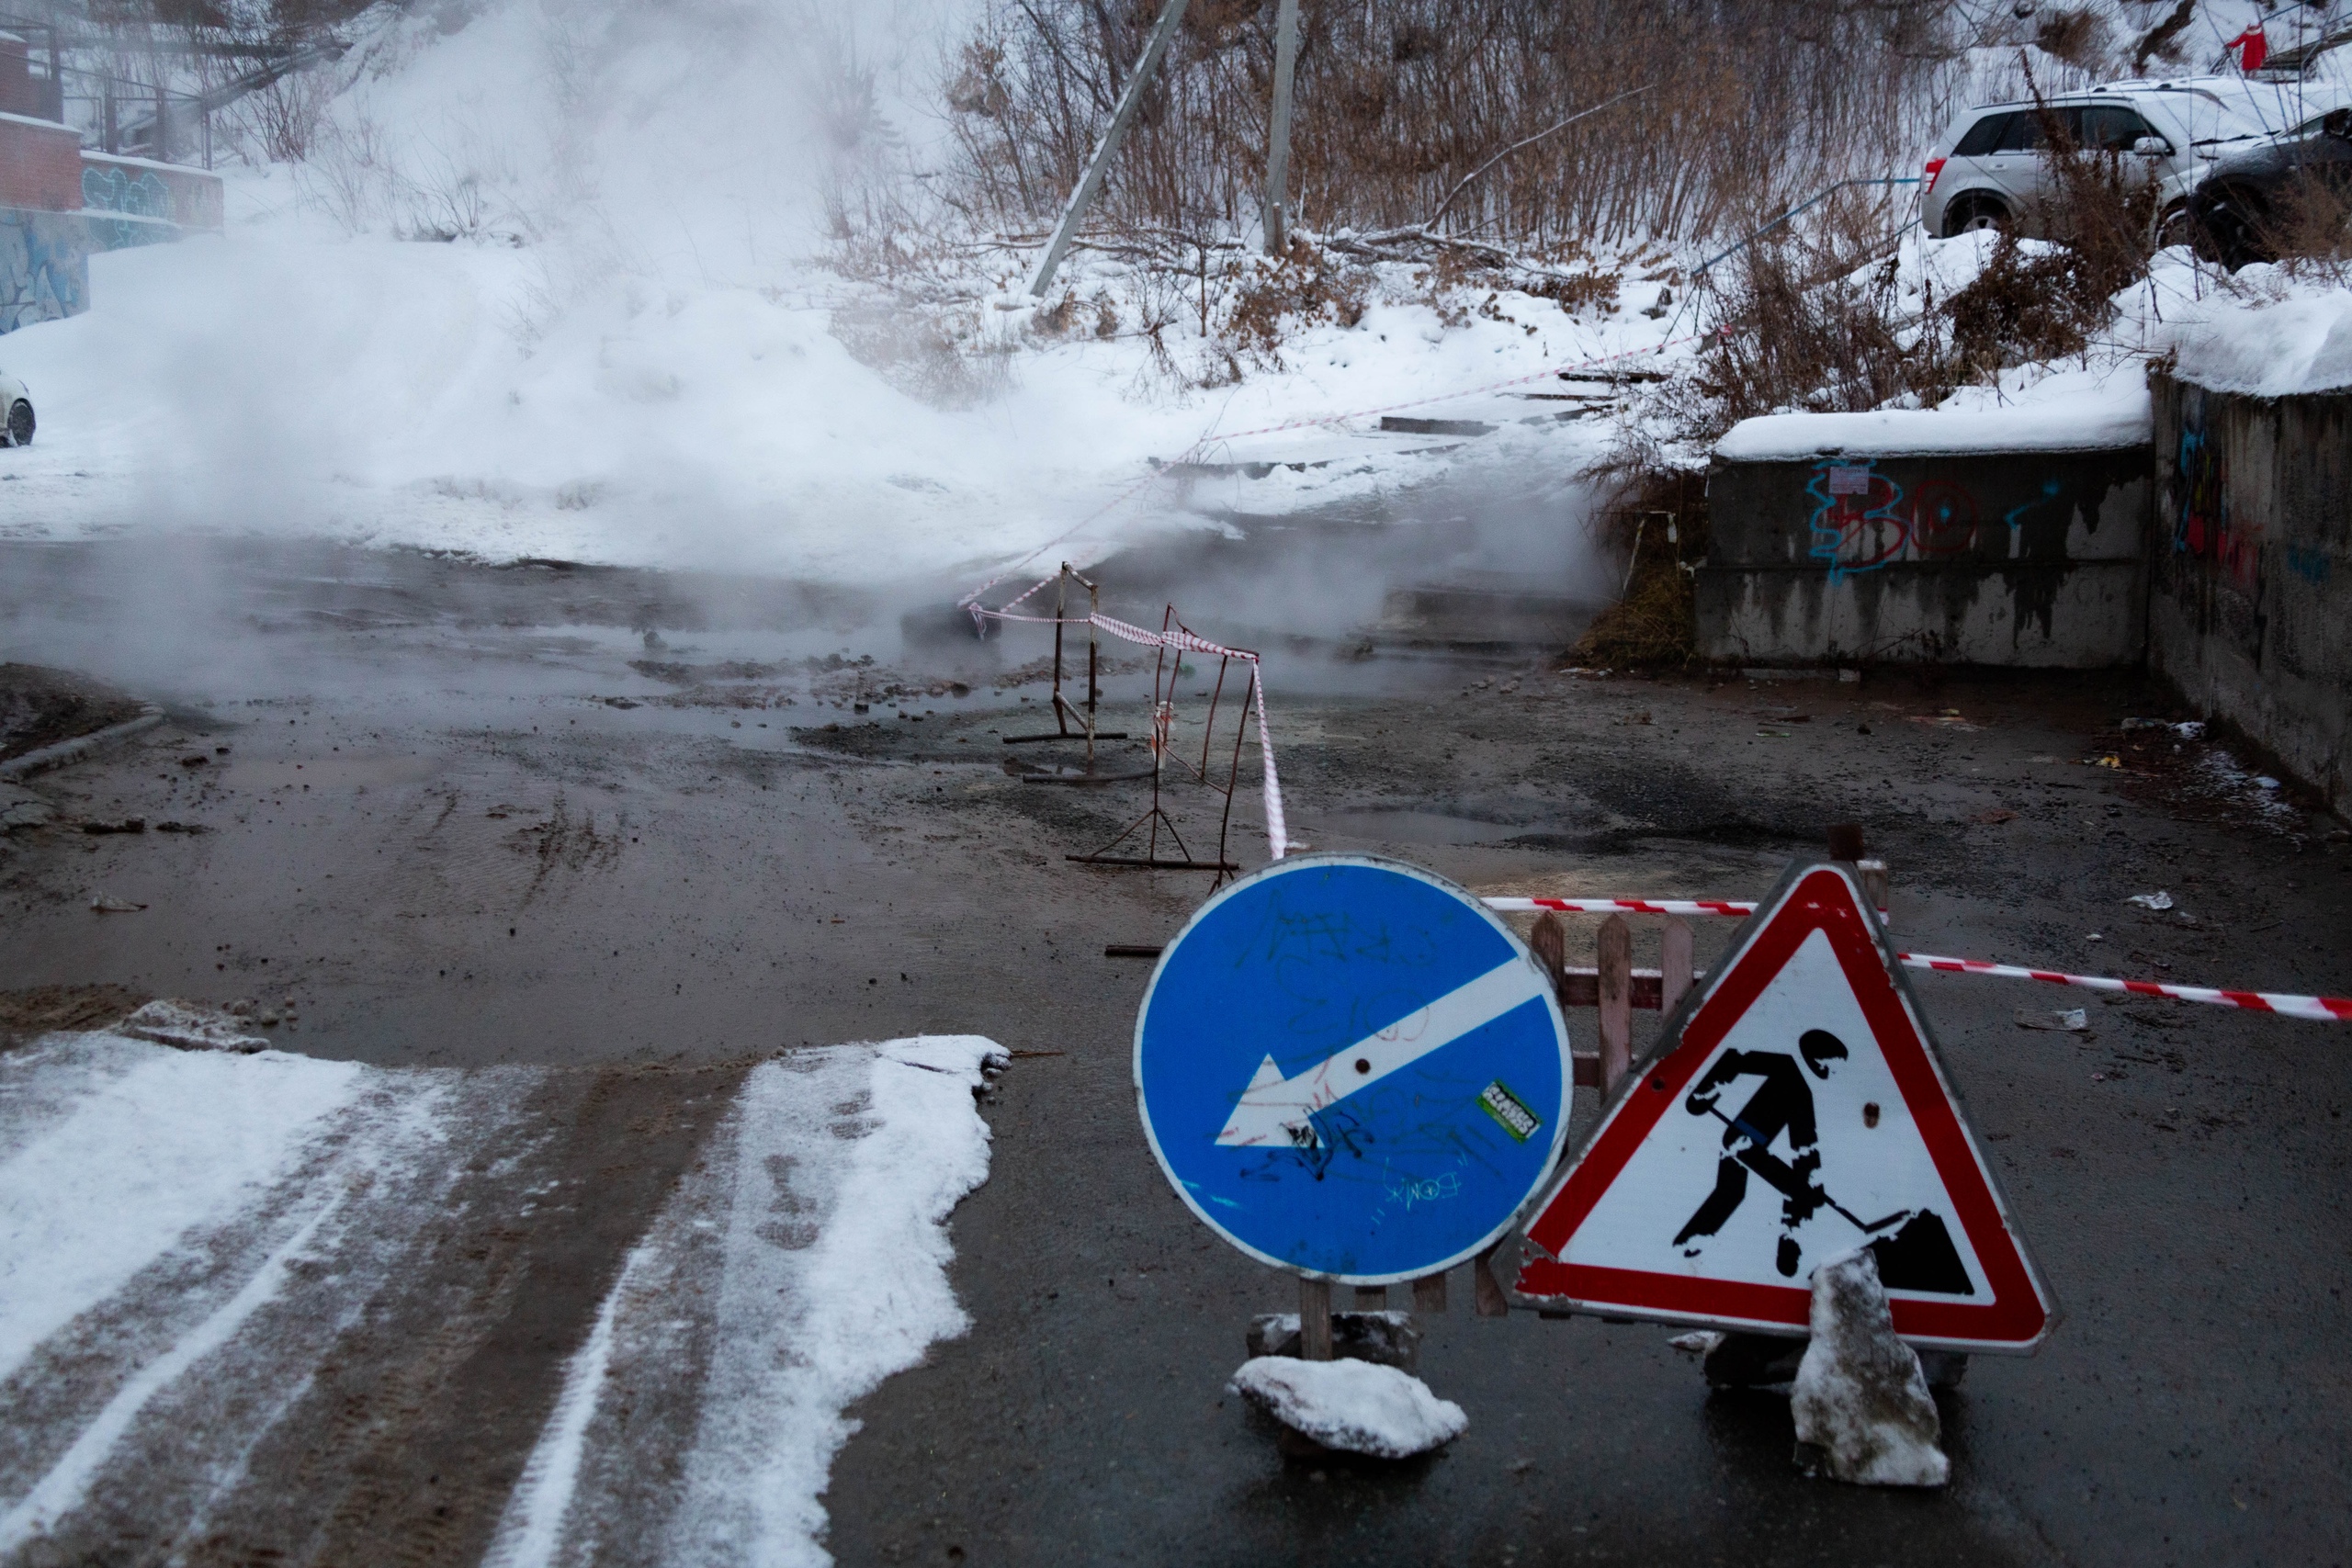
point(359, 1347)
point(812, 1251)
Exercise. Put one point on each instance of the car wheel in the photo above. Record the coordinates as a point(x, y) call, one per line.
point(2227, 235)
point(2176, 227)
point(20, 424)
point(1974, 214)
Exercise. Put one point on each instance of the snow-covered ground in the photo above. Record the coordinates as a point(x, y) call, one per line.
point(289, 378)
point(634, 350)
point(188, 1239)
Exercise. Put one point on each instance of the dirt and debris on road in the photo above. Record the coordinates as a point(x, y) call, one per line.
point(566, 936)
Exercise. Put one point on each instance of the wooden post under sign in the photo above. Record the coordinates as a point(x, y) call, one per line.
point(1314, 1319)
point(1616, 1000)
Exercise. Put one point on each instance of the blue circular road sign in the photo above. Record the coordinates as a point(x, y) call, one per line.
point(1351, 1067)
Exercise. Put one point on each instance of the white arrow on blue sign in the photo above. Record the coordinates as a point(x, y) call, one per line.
point(1349, 1067)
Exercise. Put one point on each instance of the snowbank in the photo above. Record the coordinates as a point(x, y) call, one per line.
point(1357, 1406)
point(2074, 414)
point(2273, 335)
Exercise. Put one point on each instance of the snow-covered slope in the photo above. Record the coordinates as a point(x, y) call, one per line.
point(629, 352)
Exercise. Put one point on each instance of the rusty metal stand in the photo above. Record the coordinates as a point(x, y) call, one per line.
point(1064, 709)
point(1163, 705)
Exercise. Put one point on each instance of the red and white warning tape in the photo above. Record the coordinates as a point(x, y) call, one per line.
point(2336, 1009)
point(1625, 906)
point(2326, 1009)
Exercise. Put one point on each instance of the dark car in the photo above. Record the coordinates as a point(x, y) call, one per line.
point(2248, 206)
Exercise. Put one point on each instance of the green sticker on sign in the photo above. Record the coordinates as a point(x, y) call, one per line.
point(1509, 1110)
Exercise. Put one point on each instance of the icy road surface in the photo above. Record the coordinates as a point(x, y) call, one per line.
point(198, 1250)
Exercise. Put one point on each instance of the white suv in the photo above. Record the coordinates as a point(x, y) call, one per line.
point(1987, 170)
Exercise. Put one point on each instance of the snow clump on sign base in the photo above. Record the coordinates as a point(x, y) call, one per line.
point(1355, 1406)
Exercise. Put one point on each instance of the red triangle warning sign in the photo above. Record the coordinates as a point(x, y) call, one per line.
point(1795, 1110)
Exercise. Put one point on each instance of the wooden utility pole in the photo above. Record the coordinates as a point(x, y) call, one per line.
point(1278, 134)
point(1090, 182)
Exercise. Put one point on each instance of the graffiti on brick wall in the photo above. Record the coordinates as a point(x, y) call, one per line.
point(1864, 520)
point(44, 268)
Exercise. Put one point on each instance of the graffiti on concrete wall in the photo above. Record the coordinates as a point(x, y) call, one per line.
point(139, 198)
point(2203, 530)
point(118, 190)
point(1864, 520)
point(2214, 566)
point(44, 267)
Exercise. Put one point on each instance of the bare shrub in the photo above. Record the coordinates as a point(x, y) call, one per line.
point(1793, 339)
point(2076, 36)
point(284, 117)
point(2309, 231)
point(2049, 303)
point(1306, 285)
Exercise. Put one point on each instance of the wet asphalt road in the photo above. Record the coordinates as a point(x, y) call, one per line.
point(437, 838)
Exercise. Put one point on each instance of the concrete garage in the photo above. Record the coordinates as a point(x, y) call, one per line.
point(2204, 544)
point(2250, 613)
point(1920, 538)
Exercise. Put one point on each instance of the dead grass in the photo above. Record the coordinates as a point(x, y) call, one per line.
point(1660, 520)
point(1306, 285)
point(921, 355)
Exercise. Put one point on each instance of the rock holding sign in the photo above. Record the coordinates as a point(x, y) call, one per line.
point(1861, 1399)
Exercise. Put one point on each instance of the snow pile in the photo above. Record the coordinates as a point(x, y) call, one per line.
point(1356, 1406)
point(2273, 335)
point(1862, 1410)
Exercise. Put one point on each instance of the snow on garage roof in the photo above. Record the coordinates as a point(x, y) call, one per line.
point(2090, 419)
